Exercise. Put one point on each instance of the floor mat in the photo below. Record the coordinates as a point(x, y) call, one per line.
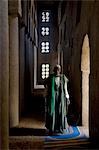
point(73, 132)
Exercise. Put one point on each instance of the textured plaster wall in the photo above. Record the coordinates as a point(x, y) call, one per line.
point(27, 41)
point(76, 30)
point(4, 75)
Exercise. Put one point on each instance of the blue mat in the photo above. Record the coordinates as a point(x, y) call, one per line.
point(73, 132)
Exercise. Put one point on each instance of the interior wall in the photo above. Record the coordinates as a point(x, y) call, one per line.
point(77, 22)
point(78, 32)
point(28, 39)
point(84, 19)
point(4, 75)
point(70, 43)
point(14, 12)
point(89, 23)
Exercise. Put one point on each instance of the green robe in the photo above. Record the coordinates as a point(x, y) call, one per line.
point(56, 104)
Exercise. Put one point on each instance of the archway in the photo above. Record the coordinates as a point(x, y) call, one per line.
point(85, 68)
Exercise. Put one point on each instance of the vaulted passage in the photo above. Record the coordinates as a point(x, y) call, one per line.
point(35, 35)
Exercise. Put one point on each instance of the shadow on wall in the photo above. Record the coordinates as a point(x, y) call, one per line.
point(38, 105)
point(73, 117)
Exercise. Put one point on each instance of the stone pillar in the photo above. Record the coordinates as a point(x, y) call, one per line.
point(4, 75)
point(14, 71)
point(22, 70)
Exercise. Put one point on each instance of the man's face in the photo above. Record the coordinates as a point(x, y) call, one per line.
point(57, 71)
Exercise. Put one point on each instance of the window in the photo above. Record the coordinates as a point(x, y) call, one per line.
point(46, 57)
point(45, 47)
point(45, 71)
point(45, 31)
point(45, 16)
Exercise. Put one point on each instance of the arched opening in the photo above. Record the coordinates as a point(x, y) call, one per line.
point(85, 68)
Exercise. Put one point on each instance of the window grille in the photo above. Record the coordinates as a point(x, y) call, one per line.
point(45, 17)
point(45, 31)
point(45, 47)
point(45, 71)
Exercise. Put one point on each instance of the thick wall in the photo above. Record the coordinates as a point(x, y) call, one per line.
point(27, 41)
point(83, 20)
point(4, 75)
point(71, 43)
point(79, 31)
point(89, 23)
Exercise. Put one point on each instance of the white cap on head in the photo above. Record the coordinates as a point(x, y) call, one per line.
point(57, 66)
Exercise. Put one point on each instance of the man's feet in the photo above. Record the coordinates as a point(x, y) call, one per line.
point(51, 132)
point(59, 132)
point(64, 131)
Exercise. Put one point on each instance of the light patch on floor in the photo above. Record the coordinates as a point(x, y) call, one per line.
point(37, 122)
point(32, 122)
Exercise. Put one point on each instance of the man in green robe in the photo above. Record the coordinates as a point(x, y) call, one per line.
point(57, 101)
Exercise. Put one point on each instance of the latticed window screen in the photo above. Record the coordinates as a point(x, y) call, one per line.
point(45, 70)
point(45, 16)
point(45, 47)
point(44, 44)
point(47, 42)
point(45, 31)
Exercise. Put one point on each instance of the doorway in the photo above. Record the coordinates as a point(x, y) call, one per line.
point(85, 68)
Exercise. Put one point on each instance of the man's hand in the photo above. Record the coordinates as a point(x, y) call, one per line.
point(68, 101)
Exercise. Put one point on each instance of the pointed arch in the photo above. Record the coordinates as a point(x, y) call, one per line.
point(85, 68)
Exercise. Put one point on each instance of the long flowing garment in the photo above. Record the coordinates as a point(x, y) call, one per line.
point(56, 103)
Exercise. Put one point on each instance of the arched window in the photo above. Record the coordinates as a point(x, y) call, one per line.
point(45, 16)
point(45, 31)
point(45, 47)
point(45, 71)
point(46, 55)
